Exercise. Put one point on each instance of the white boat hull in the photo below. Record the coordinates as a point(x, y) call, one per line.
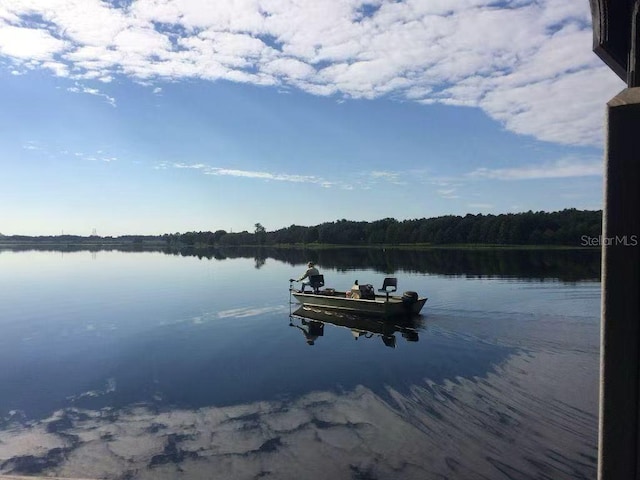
point(379, 306)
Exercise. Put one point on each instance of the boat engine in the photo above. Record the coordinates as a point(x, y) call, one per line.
point(409, 298)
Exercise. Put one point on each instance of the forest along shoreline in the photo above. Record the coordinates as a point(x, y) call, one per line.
point(570, 228)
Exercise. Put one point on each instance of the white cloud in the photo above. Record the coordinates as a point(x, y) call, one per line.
point(528, 65)
point(32, 146)
point(194, 166)
point(98, 156)
point(448, 193)
point(231, 172)
point(263, 175)
point(29, 44)
point(289, 68)
point(558, 169)
point(78, 88)
point(58, 68)
point(391, 177)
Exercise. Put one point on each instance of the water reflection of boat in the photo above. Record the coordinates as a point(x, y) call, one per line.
point(312, 321)
point(361, 299)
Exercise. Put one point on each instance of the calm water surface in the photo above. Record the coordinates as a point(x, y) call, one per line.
point(148, 365)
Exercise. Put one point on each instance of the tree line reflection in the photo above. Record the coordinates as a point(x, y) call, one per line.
point(565, 265)
point(562, 264)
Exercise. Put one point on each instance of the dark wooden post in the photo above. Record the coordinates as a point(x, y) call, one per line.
point(633, 75)
point(620, 331)
point(616, 29)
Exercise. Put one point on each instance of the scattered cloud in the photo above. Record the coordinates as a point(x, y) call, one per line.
point(558, 169)
point(264, 175)
point(32, 146)
point(391, 177)
point(527, 64)
point(449, 193)
point(449, 188)
point(193, 166)
point(44, 149)
point(99, 156)
point(78, 88)
point(252, 174)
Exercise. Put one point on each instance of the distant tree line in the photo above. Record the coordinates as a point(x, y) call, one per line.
point(90, 241)
point(566, 227)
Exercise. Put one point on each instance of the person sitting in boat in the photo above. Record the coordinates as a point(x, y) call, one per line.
point(311, 270)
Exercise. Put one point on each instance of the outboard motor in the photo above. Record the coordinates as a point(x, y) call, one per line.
point(409, 298)
point(367, 292)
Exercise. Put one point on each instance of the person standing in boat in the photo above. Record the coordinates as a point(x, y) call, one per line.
point(311, 270)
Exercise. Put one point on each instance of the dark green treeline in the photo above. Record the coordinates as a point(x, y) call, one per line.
point(567, 227)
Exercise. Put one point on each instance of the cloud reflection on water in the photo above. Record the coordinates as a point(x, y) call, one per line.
point(495, 426)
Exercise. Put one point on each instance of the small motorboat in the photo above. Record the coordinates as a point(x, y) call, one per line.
point(361, 299)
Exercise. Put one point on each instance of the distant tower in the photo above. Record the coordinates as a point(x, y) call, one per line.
point(94, 233)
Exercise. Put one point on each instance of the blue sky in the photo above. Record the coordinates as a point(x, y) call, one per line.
point(158, 116)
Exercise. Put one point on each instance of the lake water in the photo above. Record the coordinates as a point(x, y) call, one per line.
point(144, 365)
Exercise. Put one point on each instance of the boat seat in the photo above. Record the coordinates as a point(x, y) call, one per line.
point(389, 285)
point(315, 282)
